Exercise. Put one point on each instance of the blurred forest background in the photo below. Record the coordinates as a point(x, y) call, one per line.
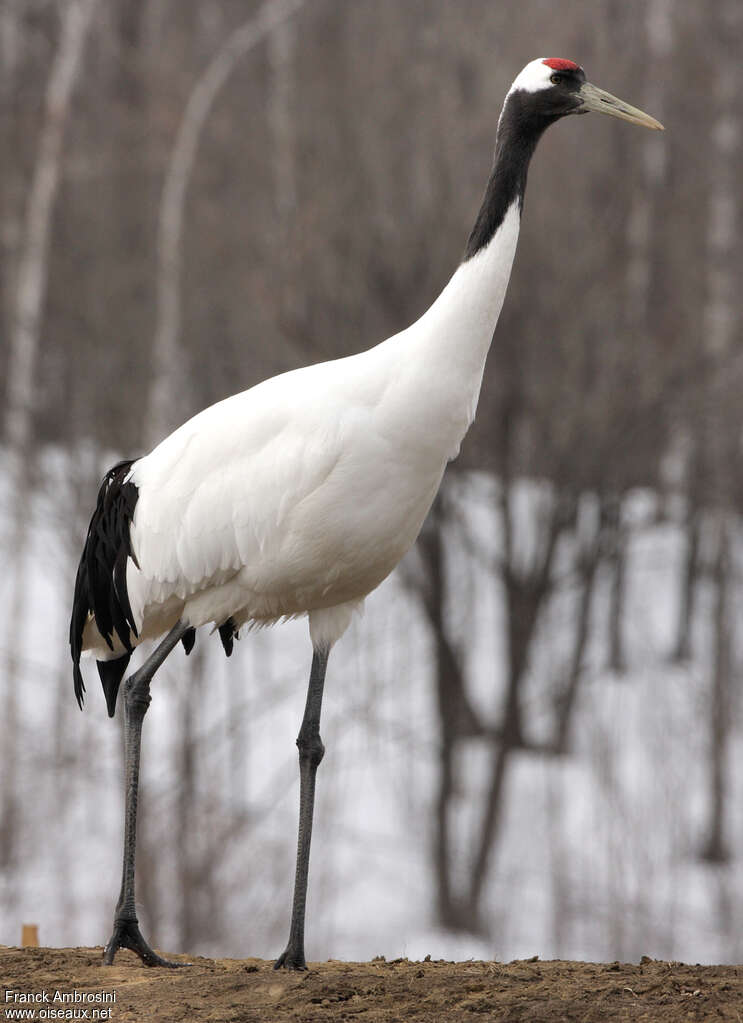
point(535, 734)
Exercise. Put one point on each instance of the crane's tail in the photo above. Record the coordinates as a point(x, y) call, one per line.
point(100, 585)
point(111, 674)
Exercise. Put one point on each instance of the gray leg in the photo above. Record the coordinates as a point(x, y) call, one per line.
point(311, 752)
point(137, 698)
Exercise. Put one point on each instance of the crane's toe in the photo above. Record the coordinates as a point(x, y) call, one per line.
point(128, 935)
point(290, 959)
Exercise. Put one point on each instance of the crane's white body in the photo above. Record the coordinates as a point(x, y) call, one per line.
point(301, 494)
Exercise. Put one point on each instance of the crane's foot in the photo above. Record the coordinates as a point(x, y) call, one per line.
point(128, 935)
point(290, 959)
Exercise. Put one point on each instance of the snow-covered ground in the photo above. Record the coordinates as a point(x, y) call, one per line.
point(598, 858)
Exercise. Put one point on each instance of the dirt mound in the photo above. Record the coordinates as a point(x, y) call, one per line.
point(250, 990)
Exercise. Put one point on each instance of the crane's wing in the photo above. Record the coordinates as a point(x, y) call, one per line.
point(250, 487)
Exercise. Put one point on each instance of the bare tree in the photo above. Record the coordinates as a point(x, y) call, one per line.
point(720, 316)
point(458, 719)
point(30, 292)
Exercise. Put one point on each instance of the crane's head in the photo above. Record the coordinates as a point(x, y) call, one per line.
point(550, 87)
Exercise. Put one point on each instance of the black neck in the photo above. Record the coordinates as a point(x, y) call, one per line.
point(519, 130)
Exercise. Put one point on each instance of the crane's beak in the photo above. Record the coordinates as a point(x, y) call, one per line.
point(602, 102)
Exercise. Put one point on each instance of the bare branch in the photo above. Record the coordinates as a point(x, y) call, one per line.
point(165, 353)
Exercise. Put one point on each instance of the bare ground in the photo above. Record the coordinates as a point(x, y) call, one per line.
point(421, 992)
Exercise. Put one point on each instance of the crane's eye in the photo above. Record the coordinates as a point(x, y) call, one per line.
point(556, 79)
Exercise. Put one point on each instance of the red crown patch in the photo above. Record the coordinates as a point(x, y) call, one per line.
point(558, 64)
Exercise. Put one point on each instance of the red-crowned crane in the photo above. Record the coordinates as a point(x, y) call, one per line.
point(300, 495)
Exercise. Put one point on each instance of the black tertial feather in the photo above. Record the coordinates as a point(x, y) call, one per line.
point(100, 586)
point(227, 632)
point(111, 674)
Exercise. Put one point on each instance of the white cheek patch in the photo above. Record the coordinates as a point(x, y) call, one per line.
point(535, 76)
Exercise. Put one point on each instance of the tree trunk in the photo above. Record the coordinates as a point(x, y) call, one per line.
point(715, 848)
point(188, 837)
point(658, 34)
point(588, 562)
point(690, 571)
point(617, 561)
point(720, 323)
